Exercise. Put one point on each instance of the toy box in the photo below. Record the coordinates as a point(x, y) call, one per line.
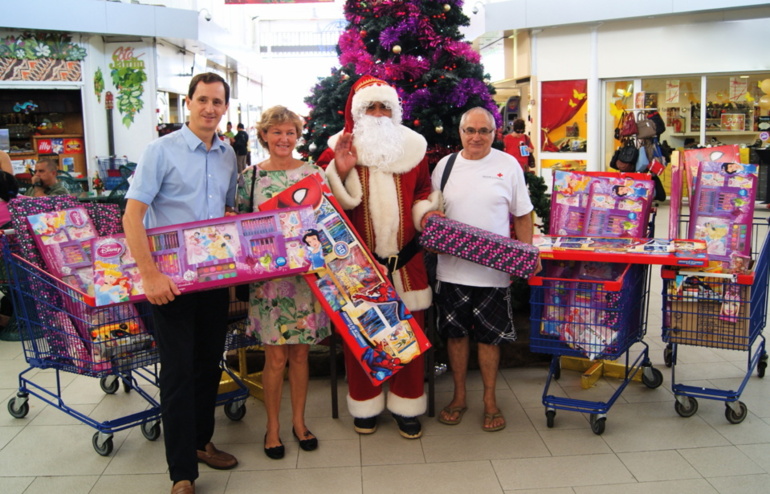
point(570, 201)
point(480, 246)
point(678, 252)
point(374, 323)
point(208, 254)
point(692, 157)
point(618, 208)
point(722, 208)
point(64, 240)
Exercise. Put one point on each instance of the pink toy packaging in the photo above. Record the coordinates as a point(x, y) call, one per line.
point(723, 207)
point(64, 239)
point(618, 207)
point(208, 254)
point(692, 157)
point(366, 310)
point(571, 201)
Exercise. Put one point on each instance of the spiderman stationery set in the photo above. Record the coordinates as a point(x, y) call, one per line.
point(374, 323)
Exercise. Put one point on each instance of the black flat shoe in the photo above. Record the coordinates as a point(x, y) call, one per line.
point(306, 444)
point(276, 452)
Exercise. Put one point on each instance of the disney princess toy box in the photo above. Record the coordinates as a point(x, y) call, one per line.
point(207, 254)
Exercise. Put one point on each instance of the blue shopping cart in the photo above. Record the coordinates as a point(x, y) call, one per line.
point(575, 315)
point(724, 311)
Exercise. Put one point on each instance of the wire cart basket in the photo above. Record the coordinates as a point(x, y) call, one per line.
point(61, 331)
point(724, 311)
point(235, 385)
point(573, 315)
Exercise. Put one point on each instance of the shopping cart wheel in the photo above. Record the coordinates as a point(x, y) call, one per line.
point(651, 377)
point(686, 406)
point(109, 384)
point(18, 407)
point(762, 365)
point(736, 416)
point(597, 424)
point(102, 443)
point(549, 416)
point(151, 429)
point(235, 410)
point(668, 355)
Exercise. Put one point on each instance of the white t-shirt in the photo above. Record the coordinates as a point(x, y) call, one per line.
point(482, 193)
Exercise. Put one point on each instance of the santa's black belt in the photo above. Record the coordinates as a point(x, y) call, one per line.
point(398, 261)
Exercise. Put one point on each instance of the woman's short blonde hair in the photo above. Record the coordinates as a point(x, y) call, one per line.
point(277, 115)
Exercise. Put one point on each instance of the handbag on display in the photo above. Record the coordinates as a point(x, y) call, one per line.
point(642, 161)
point(645, 128)
point(656, 167)
point(629, 125)
point(627, 156)
point(660, 125)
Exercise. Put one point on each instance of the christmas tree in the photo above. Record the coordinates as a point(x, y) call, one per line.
point(416, 46)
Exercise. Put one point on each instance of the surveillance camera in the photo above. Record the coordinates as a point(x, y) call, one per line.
point(475, 10)
point(207, 16)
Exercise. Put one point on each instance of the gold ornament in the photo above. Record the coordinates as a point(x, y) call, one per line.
point(447, 7)
point(397, 49)
point(439, 129)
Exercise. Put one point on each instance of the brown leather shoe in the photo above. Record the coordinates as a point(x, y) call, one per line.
point(183, 487)
point(216, 459)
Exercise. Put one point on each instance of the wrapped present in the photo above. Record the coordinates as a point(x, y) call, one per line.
point(480, 246)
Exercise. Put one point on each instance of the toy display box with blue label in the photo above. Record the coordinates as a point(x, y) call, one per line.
point(367, 312)
point(207, 254)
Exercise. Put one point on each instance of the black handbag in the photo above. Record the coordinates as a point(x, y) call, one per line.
point(628, 154)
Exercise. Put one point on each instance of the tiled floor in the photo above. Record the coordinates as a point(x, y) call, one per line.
point(646, 447)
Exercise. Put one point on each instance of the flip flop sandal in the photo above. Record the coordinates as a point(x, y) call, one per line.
point(451, 411)
point(489, 418)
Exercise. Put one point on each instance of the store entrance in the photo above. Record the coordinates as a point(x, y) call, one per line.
point(43, 122)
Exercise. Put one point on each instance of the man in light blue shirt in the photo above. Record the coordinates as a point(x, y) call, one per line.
point(188, 175)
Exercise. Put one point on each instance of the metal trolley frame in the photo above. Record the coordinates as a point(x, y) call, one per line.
point(617, 319)
point(722, 311)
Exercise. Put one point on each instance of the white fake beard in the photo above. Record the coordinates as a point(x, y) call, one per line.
point(379, 142)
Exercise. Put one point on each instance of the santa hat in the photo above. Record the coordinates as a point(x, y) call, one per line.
point(366, 91)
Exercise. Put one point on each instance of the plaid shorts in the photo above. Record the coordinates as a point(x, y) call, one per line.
point(483, 313)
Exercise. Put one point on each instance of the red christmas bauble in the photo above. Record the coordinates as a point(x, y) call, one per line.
point(416, 122)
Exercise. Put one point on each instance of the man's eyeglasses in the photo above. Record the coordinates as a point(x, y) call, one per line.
point(482, 131)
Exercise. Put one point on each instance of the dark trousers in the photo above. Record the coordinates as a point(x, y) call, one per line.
point(190, 332)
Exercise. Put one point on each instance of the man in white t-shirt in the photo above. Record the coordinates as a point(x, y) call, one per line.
point(485, 188)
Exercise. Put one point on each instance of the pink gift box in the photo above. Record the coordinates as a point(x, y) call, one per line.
point(480, 246)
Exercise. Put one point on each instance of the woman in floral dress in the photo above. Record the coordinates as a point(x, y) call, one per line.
point(283, 312)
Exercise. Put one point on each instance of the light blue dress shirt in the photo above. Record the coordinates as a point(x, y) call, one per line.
point(181, 181)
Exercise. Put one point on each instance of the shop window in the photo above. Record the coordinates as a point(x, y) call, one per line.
point(563, 116)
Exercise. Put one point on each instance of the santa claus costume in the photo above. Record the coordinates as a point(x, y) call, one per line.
point(385, 201)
